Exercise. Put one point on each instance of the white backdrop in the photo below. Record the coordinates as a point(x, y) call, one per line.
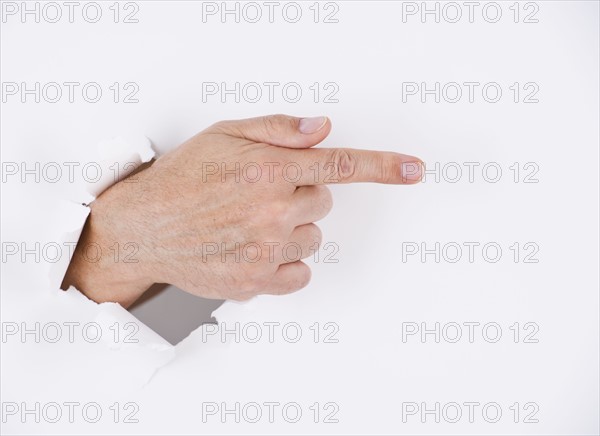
point(403, 329)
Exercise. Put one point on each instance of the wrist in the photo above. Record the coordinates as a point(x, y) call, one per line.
point(106, 265)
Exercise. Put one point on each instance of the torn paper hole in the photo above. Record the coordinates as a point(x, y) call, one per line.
point(147, 331)
point(132, 346)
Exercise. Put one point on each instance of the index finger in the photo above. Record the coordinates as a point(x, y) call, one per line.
point(346, 165)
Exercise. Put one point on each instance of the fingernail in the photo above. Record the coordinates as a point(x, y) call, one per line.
point(412, 171)
point(311, 125)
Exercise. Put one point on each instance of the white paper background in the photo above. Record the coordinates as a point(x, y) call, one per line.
point(370, 372)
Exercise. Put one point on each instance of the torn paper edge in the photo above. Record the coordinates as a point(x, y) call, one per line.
point(150, 351)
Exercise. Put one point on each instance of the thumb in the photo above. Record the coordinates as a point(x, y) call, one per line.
point(281, 130)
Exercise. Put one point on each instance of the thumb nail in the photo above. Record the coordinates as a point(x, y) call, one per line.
point(311, 125)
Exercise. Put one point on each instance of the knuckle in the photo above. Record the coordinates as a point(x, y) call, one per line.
point(268, 261)
point(274, 123)
point(271, 215)
point(261, 276)
point(325, 199)
point(219, 125)
point(280, 212)
point(269, 124)
point(344, 164)
point(223, 127)
point(231, 128)
point(303, 278)
point(317, 234)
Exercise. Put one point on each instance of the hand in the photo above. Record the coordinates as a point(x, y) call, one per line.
point(217, 216)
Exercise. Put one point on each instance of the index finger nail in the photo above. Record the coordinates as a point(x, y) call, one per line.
point(412, 171)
